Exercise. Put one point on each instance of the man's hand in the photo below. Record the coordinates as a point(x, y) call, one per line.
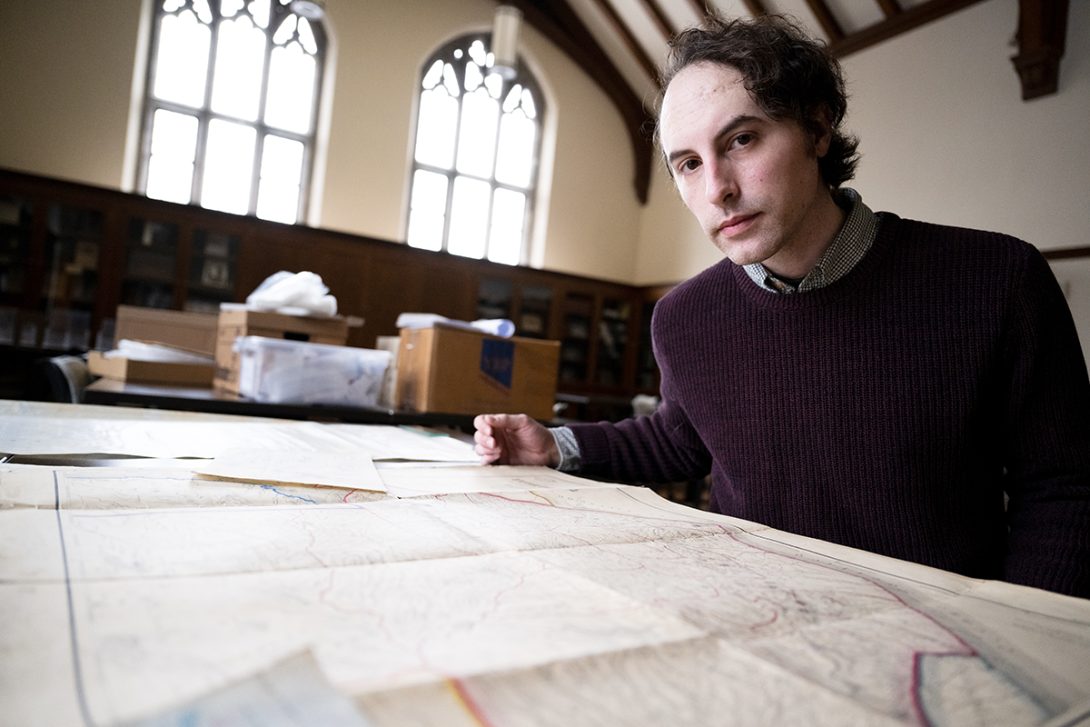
point(514, 439)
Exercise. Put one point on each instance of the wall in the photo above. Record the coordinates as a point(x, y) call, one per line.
point(949, 139)
point(946, 136)
point(67, 68)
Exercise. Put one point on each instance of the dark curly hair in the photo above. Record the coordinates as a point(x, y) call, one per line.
point(790, 75)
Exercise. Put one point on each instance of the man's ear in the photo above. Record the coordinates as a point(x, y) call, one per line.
point(821, 126)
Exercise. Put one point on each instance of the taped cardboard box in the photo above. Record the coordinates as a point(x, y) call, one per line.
point(455, 371)
point(150, 372)
point(194, 332)
point(238, 321)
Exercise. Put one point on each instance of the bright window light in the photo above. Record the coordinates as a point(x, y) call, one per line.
point(281, 171)
point(173, 149)
point(240, 62)
point(180, 66)
point(291, 86)
point(228, 167)
point(427, 210)
point(202, 130)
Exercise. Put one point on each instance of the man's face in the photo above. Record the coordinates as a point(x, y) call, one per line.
point(752, 182)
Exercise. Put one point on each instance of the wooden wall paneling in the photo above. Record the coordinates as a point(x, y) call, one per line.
point(450, 286)
point(404, 280)
point(390, 288)
point(36, 265)
point(111, 264)
point(252, 265)
point(631, 353)
point(556, 312)
point(595, 340)
point(182, 264)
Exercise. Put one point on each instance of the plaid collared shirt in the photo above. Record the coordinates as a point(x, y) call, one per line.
point(849, 247)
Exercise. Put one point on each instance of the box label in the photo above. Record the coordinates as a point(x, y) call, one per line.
point(498, 361)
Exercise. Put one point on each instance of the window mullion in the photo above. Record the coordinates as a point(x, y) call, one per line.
point(149, 102)
point(452, 176)
point(492, 183)
point(204, 115)
point(453, 173)
point(262, 130)
point(308, 147)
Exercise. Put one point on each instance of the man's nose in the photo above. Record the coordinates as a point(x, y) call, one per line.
point(720, 182)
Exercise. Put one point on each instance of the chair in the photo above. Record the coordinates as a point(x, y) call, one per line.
point(61, 378)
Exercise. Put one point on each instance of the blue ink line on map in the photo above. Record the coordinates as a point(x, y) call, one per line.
point(284, 494)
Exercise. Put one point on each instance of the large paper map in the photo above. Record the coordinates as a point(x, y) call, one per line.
point(138, 590)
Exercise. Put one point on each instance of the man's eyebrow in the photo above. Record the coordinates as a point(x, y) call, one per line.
point(727, 129)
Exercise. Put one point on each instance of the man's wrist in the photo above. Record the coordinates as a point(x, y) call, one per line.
point(568, 447)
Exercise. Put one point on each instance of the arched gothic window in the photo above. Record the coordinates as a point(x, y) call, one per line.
point(231, 105)
point(475, 161)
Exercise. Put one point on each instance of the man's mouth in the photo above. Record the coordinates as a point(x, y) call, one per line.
point(737, 224)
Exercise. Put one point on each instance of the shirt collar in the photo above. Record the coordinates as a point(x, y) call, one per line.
point(847, 249)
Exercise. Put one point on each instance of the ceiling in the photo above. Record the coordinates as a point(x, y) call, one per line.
point(621, 43)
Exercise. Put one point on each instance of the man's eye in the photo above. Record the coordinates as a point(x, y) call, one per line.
point(742, 139)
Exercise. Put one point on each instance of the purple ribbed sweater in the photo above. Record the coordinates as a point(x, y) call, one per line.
point(888, 411)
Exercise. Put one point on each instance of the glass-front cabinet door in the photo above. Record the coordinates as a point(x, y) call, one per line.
point(494, 298)
point(575, 346)
point(15, 219)
point(70, 277)
point(533, 316)
point(72, 248)
point(612, 342)
point(151, 259)
point(213, 271)
point(15, 231)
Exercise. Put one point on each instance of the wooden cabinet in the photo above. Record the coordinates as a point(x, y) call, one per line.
point(70, 253)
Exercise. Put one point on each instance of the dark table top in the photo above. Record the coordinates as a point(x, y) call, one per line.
point(181, 398)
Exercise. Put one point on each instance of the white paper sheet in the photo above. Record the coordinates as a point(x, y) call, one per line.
point(352, 470)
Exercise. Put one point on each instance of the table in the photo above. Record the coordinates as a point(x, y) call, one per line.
point(468, 595)
point(180, 398)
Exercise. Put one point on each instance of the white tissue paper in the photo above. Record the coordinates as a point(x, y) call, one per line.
point(496, 326)
point(295, 294)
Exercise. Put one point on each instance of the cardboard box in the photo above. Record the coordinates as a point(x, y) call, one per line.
point(195, 332)
point(236, 322)
point(150, 372)
point(294, 372)
point(456, 371)
point(387, 398)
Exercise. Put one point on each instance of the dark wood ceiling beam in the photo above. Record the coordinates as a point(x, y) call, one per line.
point(1065, 253)
point(902, 22)
point(558, 22)
point(662, 22)
point(756, 7)
point(1042, 36)
point(890, 7)
point(699, 8)
point(828, 22)
point(628, 38)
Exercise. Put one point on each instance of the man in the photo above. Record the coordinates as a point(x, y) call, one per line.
point(859, 378)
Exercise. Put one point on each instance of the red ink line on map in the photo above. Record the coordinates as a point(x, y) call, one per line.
point(470, 704)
